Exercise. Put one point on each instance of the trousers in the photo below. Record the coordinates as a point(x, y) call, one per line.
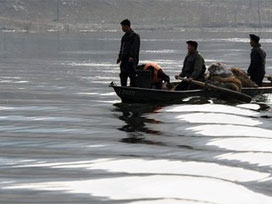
point(127, 70)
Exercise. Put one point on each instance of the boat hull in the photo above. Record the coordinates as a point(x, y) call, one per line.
point(142, 95)
point(145, 95)
point(252, 91)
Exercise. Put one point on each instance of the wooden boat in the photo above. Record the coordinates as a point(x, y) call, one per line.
point(147, 95)
point(253, 91)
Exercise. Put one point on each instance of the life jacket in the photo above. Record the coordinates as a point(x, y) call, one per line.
point(156, 69)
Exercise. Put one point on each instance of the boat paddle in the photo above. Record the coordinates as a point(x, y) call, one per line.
point(222, 92)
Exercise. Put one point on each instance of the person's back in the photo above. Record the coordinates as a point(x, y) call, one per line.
point(256, 69)
point(158, 75)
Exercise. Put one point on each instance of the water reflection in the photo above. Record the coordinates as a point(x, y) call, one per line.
point(135, 121)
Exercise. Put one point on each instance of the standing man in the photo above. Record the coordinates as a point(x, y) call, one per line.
point(193, 67)
point(256, 69)
point(129, 54)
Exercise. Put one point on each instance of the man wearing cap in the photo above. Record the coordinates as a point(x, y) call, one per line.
point(193, 67)
point(256, 69)
point(129, 54)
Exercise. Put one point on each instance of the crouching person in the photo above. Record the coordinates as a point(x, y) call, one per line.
point(158, 76)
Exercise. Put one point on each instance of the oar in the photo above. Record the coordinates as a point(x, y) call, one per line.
point(223, 92)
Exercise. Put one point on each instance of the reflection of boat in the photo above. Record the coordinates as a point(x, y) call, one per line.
point(147, 95)
point(135, 121)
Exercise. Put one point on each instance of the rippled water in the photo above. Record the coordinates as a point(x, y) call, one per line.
point(65, 137)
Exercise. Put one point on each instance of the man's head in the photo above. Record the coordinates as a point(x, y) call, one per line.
point(254, 39)
point(125, 25)
point(192, 45)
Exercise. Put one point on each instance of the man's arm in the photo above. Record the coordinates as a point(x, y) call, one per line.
point(120, 52)
point(182, 74)
point(135, 47)
point(197, 67)
point(163, 76)
point(254, 62)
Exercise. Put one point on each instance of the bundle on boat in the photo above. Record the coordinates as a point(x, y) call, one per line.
point(234, 79)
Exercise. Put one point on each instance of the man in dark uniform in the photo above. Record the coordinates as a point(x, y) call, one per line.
point(193, 67)
point(129, 54)
point(256, 69)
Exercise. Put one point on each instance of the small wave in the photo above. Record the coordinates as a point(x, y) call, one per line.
point(156, 187)
point(218, 118)
point(227, 131)
point(254, 158)
point(38, 118)
point(213, 108)
point(161, 51)
point(243, 144)
point(13, 82)
point(88, 64)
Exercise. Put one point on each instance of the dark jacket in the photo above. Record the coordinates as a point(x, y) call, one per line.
point(130, 47)
point(256, 69)
point(193, 66)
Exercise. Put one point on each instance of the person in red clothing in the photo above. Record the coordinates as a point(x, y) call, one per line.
point(158, 75)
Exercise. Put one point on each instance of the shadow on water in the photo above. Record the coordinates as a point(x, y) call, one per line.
point(134, 116)
point(135, 121)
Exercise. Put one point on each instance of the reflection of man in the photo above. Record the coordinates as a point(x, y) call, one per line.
point(129, 54)
point(134, 117)
point(256, 69)
point(158, 75)
point(193, 66)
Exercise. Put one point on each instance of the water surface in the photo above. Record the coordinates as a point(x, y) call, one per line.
point(65, 137)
